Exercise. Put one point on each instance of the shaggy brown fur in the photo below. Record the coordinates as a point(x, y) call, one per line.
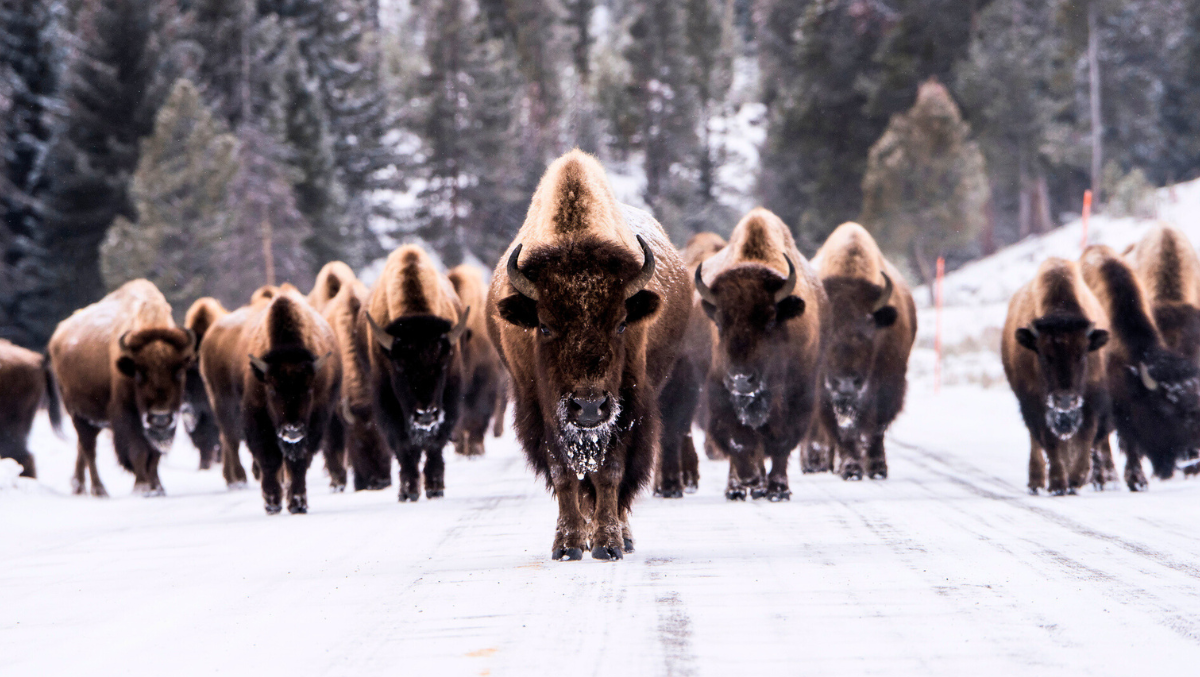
point(273, 376)
point(483, 379)
point(27, 384)
point(121, 362)
point(333, 276)
point(1054, 358)
point(587, 339)
point(1155, 392)
point(866, 361)
point(416, 365)
point(197, 412)
point(1169, 270)
point(763, 383)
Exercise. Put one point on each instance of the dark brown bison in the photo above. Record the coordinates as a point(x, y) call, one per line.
point(483, 379)
point(866, 361)
point(679, 465)
point(416, 322)
point(588, 308)
point(28, 383)
point(1169, 271)
point(353, 430)
point(769, 312)
point(1053, 358)
point(273, 378)
point(121, 363)
point(197, 413)
point(1155, 392)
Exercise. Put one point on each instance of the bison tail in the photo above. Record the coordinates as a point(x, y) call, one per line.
point(52, 399)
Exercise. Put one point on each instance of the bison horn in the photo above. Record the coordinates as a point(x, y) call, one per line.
point(457, 332)
point(121, 342)
point(1147, 379)
point(645, 275)
point(705, 293)
point(193, 339)
point(790, 285)
point(259, 364)
point(517, 279)
point(384, 339)
point(320, 361)
point(886, 294)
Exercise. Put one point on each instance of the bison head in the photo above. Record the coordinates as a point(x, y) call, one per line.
point(580, 300)
point(1062, 344)
point(156, 362)
point(750, 305)
point(287, 375)
point(1164, 406)
point(420, 351)
point(859, 329)
point(1179, 325)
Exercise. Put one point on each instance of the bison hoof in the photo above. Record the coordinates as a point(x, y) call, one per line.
point(337, 488)
point(777, 495)
point(757, 493)
point(568, 554)
point(1033, 491)
point(1059, 491)
point(1138, 485)
point(691, 486)
point(606, 553)
point(878, 472)
point(298, 505)
point(236, 486)
point(852, 471)
point(273, 508)
point(435, 493)
point(669, 493)
point(99, 491)
point(383, 483)
point(153, 493)
point(410, 496)
point(735, 494)
point(627, 543)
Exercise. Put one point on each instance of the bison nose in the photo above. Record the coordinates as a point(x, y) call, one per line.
point(166, 420)
point(845, 385)
point(1065, 401)
point(742, 383)
point(291, 433)
point(426, 416)
point(588, 412)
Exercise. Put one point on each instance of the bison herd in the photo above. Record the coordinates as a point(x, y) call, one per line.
point(610, 344)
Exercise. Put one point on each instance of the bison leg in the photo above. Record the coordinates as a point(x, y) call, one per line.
point(409, 458)
point(260, 438)
point(1037, 466)
point(435, 473)
point(334, 451)
point(608, 542)
point(1135, 477)
point(371, 462)
point(231, 466)
point(691, 465)
point(86, 458)
point(849, 450)
point(677, 404)
point(1103, 468)
point(877, 459)
point(297, 487)
point(141, 457)
point(155, 484)
point(777, 482)
point(745, 473)
point(626, 533)
point(1056, 483)
point(500, 410)
point(570, 535)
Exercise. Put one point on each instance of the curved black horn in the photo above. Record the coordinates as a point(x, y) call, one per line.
point(643, 277)
point(705, 293)
point(790, 285)
point(193, 339)
point(517, 279)
point(1147, 379)
point(457, 331)
point(121, 342)
point(384, 339)
point(886, 294)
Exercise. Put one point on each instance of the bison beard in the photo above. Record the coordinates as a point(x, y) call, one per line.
point(585, 448)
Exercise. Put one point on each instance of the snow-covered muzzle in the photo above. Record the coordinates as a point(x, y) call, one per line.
point(585, 447)
point(752, 409)
point(424, 425)
point(1064, 415)
point(845, 396)
point(159, 430)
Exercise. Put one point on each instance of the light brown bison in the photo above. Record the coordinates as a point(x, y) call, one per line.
point(679, 466)
point(122, 362)
point(273, 378)
point(866, 361)
point(1155, 391)
point(1169, 270)
point(28, 383)
point(198, 418)
point(483, 378)
point(769, 313)
point(1053, 358)
point(588, 307)
point(416, 322)
point(330, 280)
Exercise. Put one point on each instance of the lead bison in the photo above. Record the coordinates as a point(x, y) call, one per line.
point(1051, 349)
point(588, 307)
point(483, 376)
point(1155, 392)
point(198, 418)
point(866, 361)
point(769, 311)
point(121, 363)
point(416, 322)
point(28, 383)
point(273, 378)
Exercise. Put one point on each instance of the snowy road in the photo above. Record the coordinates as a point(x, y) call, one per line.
point(946, 568)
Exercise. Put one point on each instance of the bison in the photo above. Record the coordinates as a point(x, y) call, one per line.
point(679, 465)
point(198, 418)
point(769, 311)
point(483, 378)
point(1051, 349)
point(415, 323)
point(121, 363)
point(588, 307)
point(330, 280)
point(866, 361)
point(273, 379)
point(28, 383)
point(1155, 392)
point(1169, 271)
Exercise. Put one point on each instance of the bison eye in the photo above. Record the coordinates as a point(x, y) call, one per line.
point(621, 328)
point(544, 329)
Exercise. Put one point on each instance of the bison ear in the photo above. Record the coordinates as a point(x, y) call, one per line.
point(1027, 339)
point(885, 316)
point(126, 366)
point(1097, 339)
point(259, 367)
point(790, 307)
point(640, 306)
point(520, 310)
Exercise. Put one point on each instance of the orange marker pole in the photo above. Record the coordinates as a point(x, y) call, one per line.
point(1087, 214)
point(937, 339)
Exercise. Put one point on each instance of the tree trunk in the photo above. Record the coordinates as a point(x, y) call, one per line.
point(987, 236)
point(1024, 222)
point(1094, 87)
point(916, 248)
point(1042, 191)
point(268, 250)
